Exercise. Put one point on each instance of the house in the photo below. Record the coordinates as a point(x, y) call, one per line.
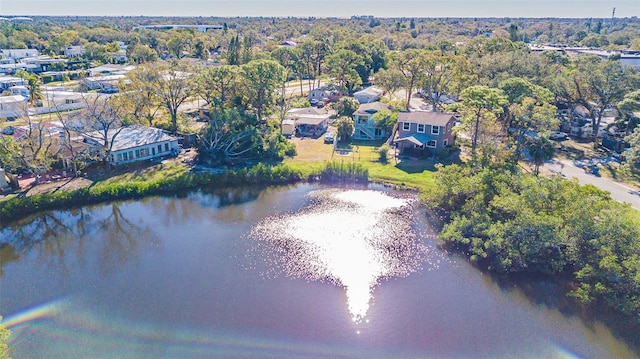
point(20, 91)
point(364, 125)
point(368, 95)
point(318, 94)
point(18, 54)
point(74, 51)
point(110, 69)
point(422, 132)
point(9, 81)
point(137, 143)
point(308, 121)
point(12, 102)
point(327, 94)
point(103, 83)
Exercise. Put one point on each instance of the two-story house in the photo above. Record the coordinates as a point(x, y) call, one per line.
point(364, 125)
point(422, 132)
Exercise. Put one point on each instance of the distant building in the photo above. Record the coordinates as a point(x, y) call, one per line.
point(201, 28)
point(74, 51)
point(18, 54)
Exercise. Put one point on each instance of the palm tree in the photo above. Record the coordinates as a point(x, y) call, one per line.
point(540, 150)
point(33, 85)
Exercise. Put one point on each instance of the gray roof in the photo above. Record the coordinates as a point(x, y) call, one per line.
point(135, 136)
point(426, 117)
point(371, 108)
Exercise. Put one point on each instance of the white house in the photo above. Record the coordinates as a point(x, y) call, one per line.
point(74, 51)
point(368, 95)
point(9, 81)
point(138, 143)
point(18, 54)
point(12, 102)
point(20, 91)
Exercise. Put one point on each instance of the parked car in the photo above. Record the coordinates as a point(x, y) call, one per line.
point(8, 130)
point(558, 136)
point(329, 137)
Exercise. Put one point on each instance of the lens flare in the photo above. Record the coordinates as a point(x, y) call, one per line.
point(352, 238)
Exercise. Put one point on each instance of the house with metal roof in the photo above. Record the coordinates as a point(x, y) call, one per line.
point(136, 143)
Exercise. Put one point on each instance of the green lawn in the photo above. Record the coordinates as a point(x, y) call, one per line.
point(313, 154)
point(151, 173)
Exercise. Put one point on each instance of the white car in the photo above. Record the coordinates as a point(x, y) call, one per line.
point(329, 137)
point(557, 135)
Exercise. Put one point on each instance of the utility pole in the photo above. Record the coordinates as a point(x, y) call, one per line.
point(613, 15)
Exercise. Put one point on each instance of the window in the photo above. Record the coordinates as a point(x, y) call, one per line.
point(435, 130)
point(166, 147)
point(138, 153)
point(418, 146)
point(445, 143)
point(378, 132)
point(159, 148)
point(431, 144)
point(125, 157)
point(421, 127)
point(406, 126)
point(363, 119)
point(153, 151)
point(119, 157)
point(130, 155)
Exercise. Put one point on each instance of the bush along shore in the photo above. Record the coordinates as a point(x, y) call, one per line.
point(20, 207)
point(262, 174)
point(515, 224)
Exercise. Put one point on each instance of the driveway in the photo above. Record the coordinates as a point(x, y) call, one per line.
point(620, 192)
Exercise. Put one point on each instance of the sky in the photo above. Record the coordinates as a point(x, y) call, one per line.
point(326, 8)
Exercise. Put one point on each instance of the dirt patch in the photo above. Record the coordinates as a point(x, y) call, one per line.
point(70, 184)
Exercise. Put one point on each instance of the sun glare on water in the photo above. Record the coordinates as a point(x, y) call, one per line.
point(352, 238)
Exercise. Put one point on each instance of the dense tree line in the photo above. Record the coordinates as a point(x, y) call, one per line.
point(510, 222)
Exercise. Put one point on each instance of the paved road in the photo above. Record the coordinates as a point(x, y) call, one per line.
point(619, 191)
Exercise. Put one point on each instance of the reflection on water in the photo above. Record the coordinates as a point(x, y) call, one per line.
point(351, 238)
point(61, 238)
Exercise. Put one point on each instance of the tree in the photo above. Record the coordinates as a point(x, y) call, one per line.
point(480, 107)
point(4, 335)
point(216, 85)
point(441, 75)
point(540, 150)
point(386, 120)
point(172, 87)
point(33, 85)
point(176, 45)
point(632, 155)
point(230, 136)
point(141, 96)
point(529, 110)
point(142, 53)
point(101, 121)
point(389, 80)
point(346, 106)
point(345, 128)
point(629, 107)
point(599, 84)
point(261, 77)
point(411, 64)
point(342, 65)
point(36, 150)
point(288, 59)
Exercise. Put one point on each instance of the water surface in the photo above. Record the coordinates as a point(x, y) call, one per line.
point(296, 272)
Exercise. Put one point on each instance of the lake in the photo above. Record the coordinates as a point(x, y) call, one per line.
point(281, 272)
